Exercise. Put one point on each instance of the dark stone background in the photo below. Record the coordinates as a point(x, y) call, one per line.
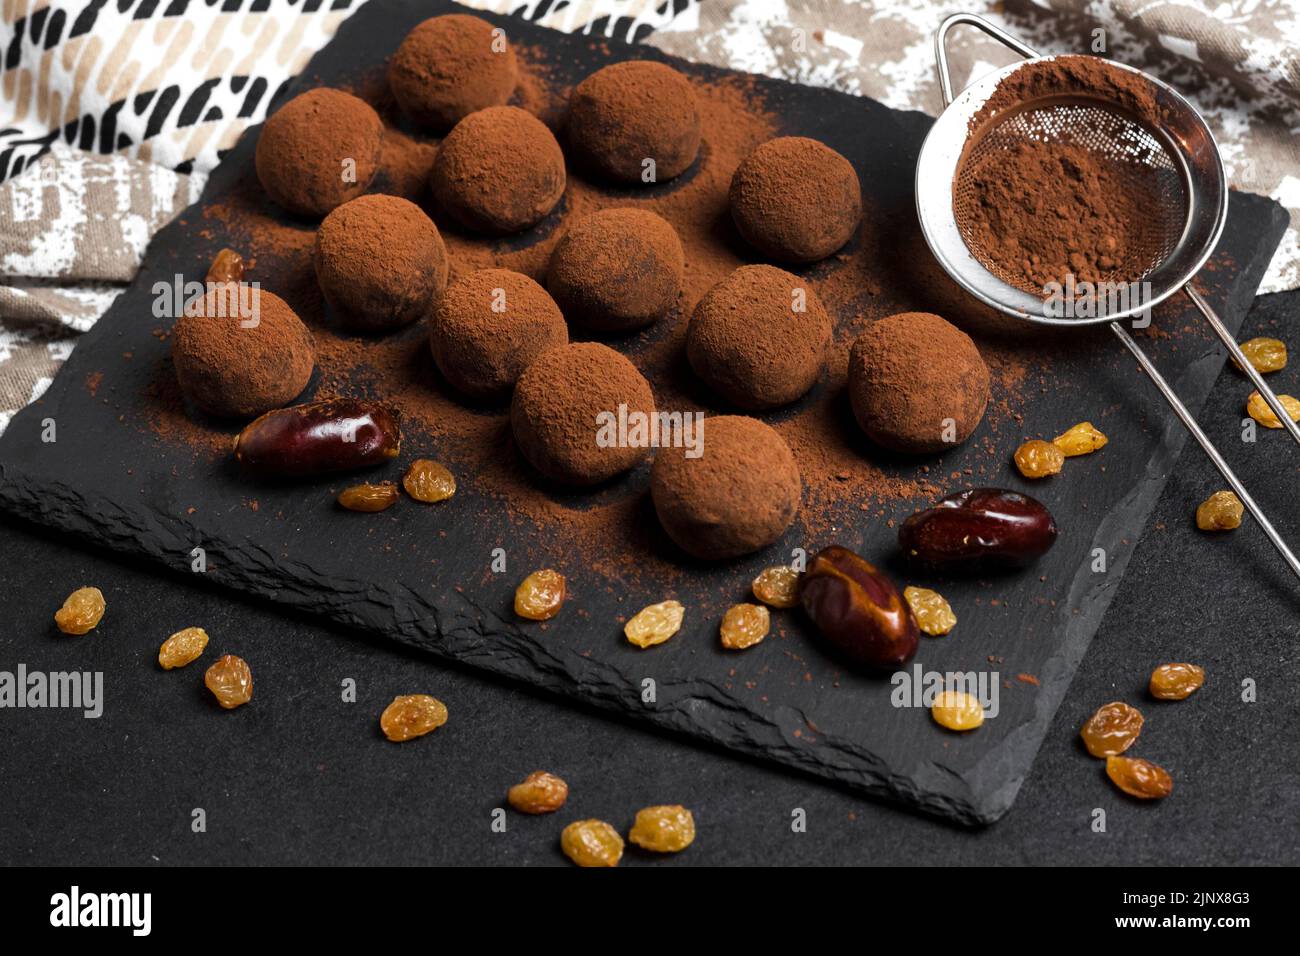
point(300, 777)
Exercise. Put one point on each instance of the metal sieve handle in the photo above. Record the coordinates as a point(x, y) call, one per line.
point(969, 19)
point(1224, 469)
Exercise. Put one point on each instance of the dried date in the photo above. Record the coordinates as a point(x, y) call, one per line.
point(341, 434)
point(858, 610)
point(978, 529)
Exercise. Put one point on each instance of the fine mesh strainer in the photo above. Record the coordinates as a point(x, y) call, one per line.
point(1177, 166)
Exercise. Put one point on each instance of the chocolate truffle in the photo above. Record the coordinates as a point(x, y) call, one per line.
point(917, 383)
point(319, 150)
point(795, 199)
point(629, 112)
point(241, 351)
point(380, 263)
point(449, 67)
point(488, 327)
point(617, 270)
point(499, 171)
point(759, 337)
point(739, 495)
point(562, 409)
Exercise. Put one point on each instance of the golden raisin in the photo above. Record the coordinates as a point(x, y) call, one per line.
point(655, 624)
point(665, 829)
point(230, 681)
point(541, 792)
point(182, 647)
point(374, 497)
point(81, 612)
point(228, 266)
point(933, 614)
point(1038, 459)
point(1220, 512)
point(1267, 355)
point(540, 596)
point(1139, 778)
point(778, 587)
point(412, 715)
point(957, 710)
point(1258, 409)
point(592, 843)
point(744, 625)
point(1112, 729)
point(429, 481)
point(1176, 681)
point(1083, 439)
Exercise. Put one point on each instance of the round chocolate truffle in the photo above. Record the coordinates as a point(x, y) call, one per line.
point(759, 337)
point(795, 199)
point(488, 327)
point(319, 150)
point(630, 112)
point(738, 495)
point(566, 412)
point(449, 67)
point(917, 383)
point(499, 171)
point(617, 270)
point(380, 263)
point(241, 351)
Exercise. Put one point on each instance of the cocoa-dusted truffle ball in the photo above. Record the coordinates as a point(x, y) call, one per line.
point(629, 112)
point(795, 199)
point(241, 352)
point(759, 337)
point(566, 410)
point(488, 327)
point(450, 66)
point(739, 495)
point(319, 150)
point(380, 263)
point(499, 171)
point(617, 270)
point(917, 383)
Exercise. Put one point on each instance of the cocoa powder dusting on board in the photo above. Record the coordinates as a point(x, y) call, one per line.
point(612, 526)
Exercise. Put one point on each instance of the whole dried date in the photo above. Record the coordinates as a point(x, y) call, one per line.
point(858, 609)
point(342, 434)
point(978, 529)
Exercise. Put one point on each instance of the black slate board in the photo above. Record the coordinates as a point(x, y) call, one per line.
point(424, 578)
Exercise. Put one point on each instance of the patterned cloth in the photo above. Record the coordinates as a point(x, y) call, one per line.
point(165, 87)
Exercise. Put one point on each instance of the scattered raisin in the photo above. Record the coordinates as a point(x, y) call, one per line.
point(592, 843)
point(81, 612)
point(230, 681)
point(1083, 439)
point(182, 648)
point(1220, 512)
point(370, 497)
point(655, 624)
point(1267, 355)
point(1258, 409)
point(1139, 778)
point(228, 266)
point(744, 625)
point(1039, 459)
point(957, 710)
point(778, 587)
point(1112, 729)
point(1176, 681)
point(932, 611)
point(429, 481)
point(665, 829)
point(541, 792)
point(412, 715)
point(540, 596)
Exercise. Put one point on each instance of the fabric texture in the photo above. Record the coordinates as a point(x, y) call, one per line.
point(112, 113)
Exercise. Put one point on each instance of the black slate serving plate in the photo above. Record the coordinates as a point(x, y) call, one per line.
point(423, 576)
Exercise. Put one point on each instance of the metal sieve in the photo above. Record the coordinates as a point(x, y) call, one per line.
point(1177, 165)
